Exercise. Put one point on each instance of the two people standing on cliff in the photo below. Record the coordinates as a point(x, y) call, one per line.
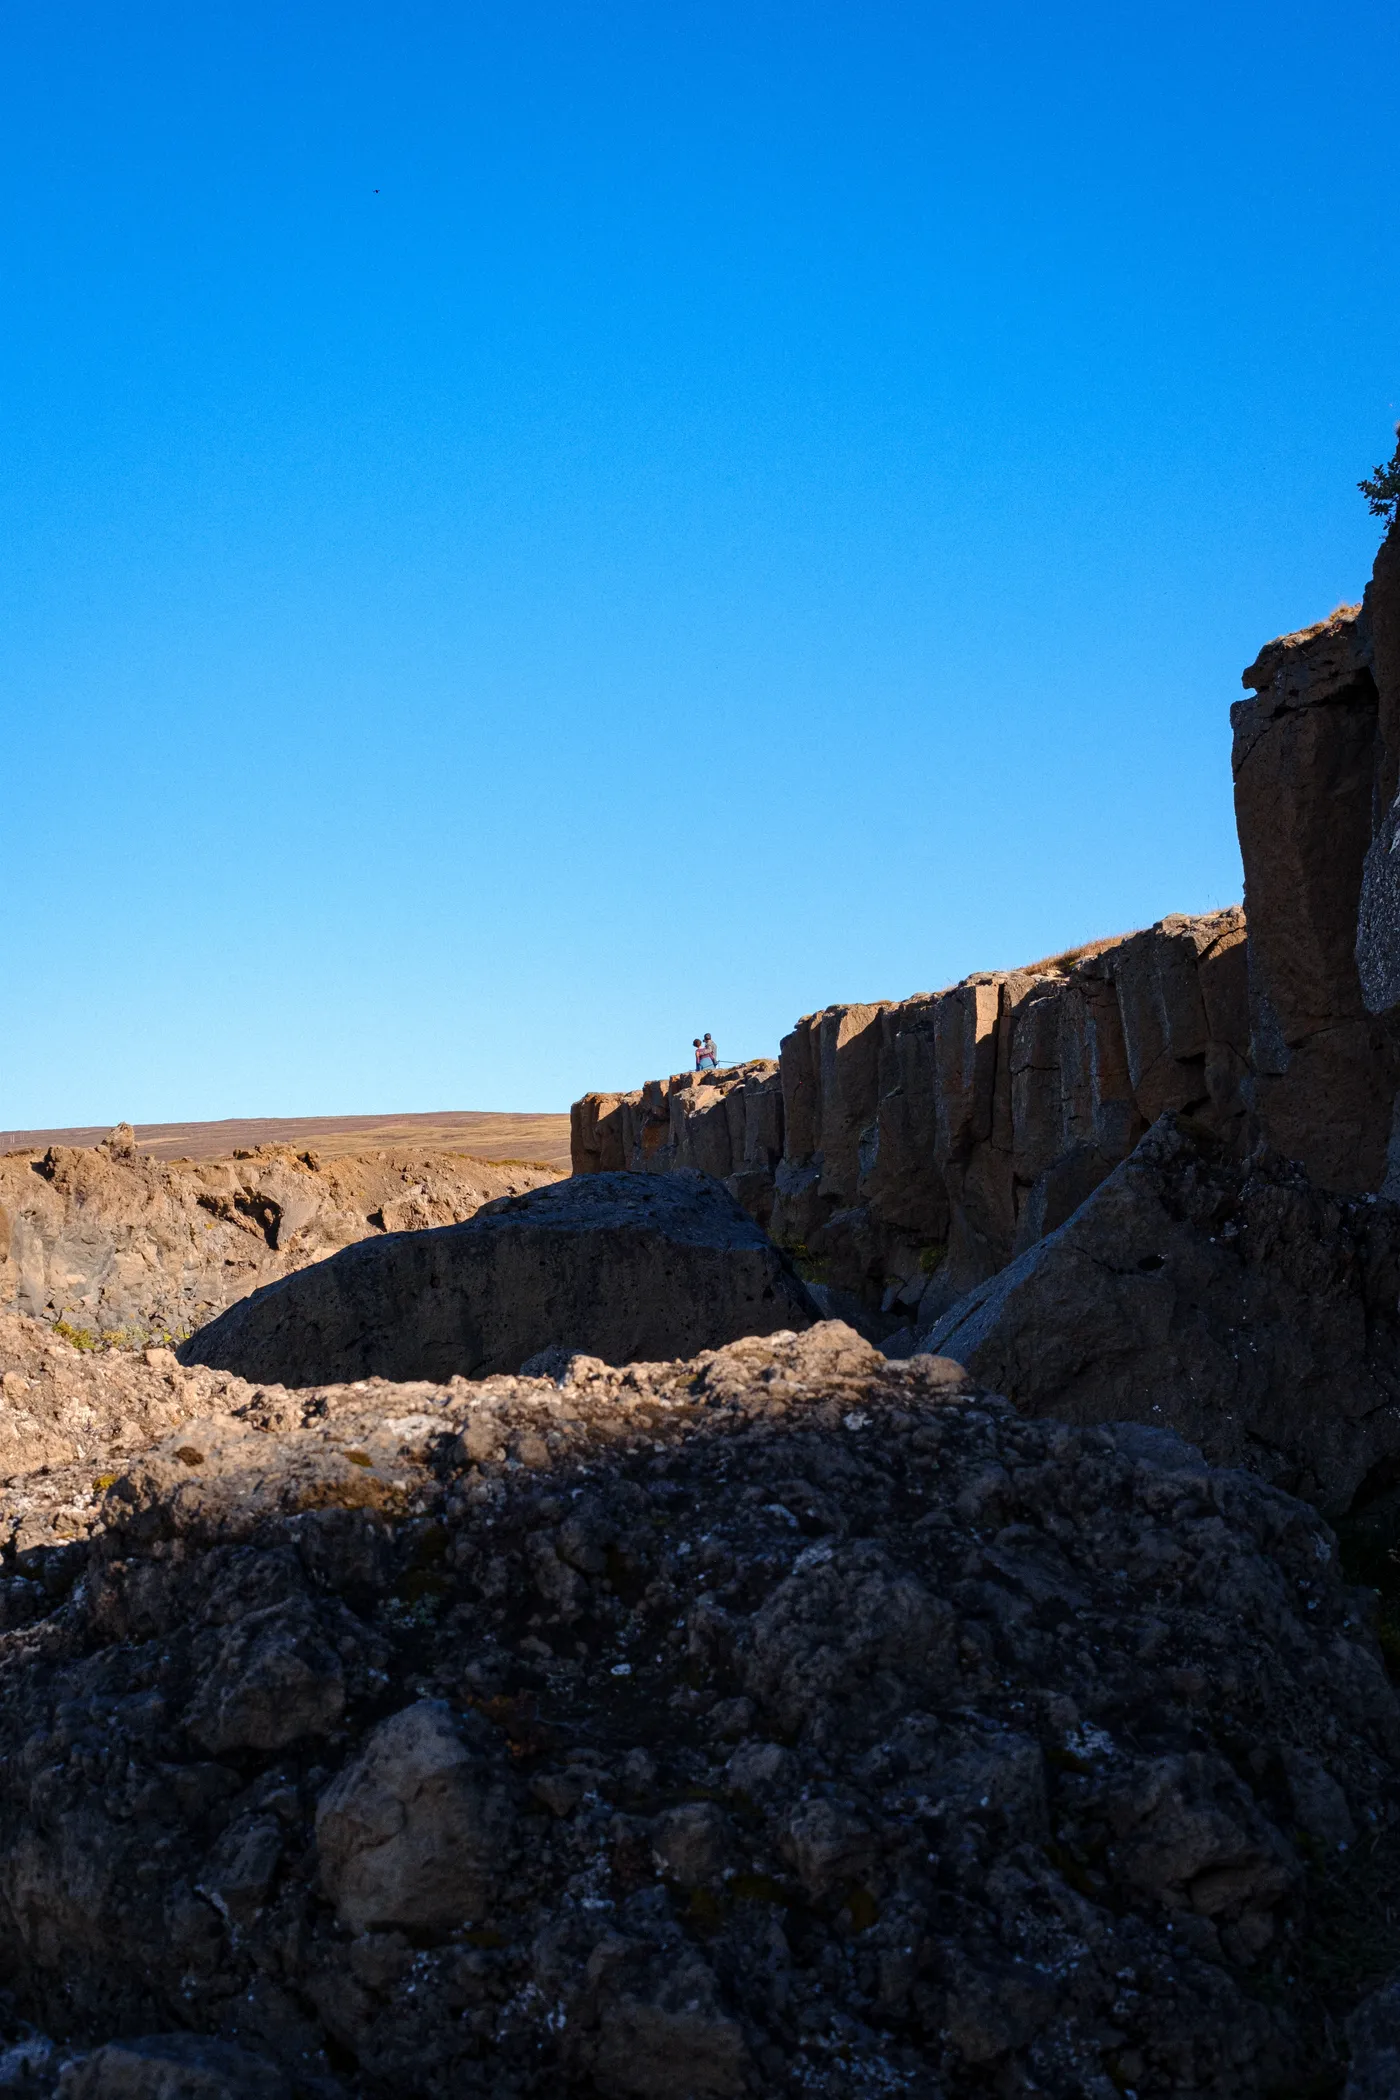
point(706, 1055)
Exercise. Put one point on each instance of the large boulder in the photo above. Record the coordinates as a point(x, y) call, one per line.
point(625, 1267)
point(1234, 1303)
point(413, 1831)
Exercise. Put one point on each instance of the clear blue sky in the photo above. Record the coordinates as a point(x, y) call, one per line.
point(528, 531)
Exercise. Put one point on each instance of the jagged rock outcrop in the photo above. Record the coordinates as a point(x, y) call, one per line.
point(621, 1267)
point(113, 1243)
point(728, 1124)
point(786, 1721)
point(1250, 1301)
point(907, 1151)
point(1231, 1301)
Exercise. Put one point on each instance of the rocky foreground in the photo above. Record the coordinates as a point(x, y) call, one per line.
point(782, 1721)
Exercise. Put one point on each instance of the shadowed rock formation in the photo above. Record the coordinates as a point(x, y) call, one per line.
point(1317, 767)
point(1251, 1300)
point(1378, 929)
point(1374, 2034)
point(621, 1267)
point(1231, 1301)
point(172, 2067)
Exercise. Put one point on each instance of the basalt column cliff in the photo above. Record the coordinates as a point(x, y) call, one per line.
point(907, 1151)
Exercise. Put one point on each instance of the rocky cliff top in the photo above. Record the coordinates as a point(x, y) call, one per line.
point(1318, 658)
point(503, 1137)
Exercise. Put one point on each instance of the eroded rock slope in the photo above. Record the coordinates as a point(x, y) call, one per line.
point(783, 1721)
point(112, 1242)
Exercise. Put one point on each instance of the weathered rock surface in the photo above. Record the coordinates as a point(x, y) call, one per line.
point(1231, 1301)
point(415, 1831)
point(907, 1151)
point(621, 1267)
point(172, 2067)
point(59, 1404)
point(783, 1721)
point(1317, 767)
point(112, 1242)
point(1304, 763)
point(1373, 2032)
